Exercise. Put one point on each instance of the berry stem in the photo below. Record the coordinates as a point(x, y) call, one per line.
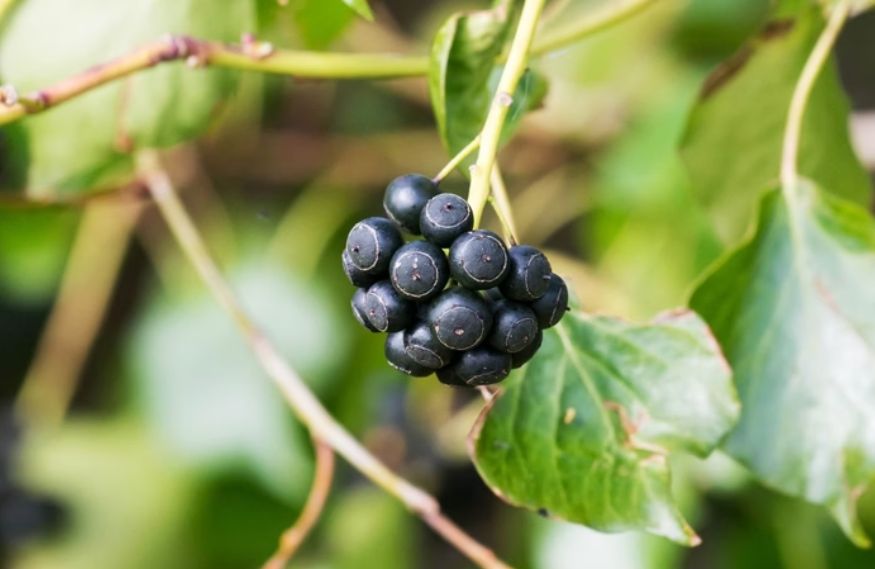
point(305, 405)
point(517, 60)
point(292, 538)
point(801, 94)
point(501, 204)
point(457, 159)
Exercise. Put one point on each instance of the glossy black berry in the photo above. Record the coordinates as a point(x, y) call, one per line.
point(478, 260)
point(423, 347)
point(359, 309)
point(482, 366)
point(460, 318)
point(386, 310)
point(444, 218)
point(514, 327)
point(448, 376)
point(419, 270)
point(405, 197)
point(528, 275)
point(371, 244)
point(397, 356)
point(551, 307)
point(520, 358)
point(355, 275)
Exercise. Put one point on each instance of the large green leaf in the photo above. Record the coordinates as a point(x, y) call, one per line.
point(361, 7)
point(464, 73)
point(88, 141)
point(794, 309)
point(733, 143)
point(584, 431)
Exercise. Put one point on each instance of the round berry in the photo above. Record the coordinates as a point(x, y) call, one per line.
point(528, 275)
point(419, 270)
point(371, 244)
point(514, 327)
point(493, 294)
point(386, 310)
point(359, 309)
point(551, 307)
point(423, 347)
point(355, 275)
point(444, 218)
point(448, 376)
point(405, 197)
point(523, 356)
point(460, 318)
point(397, 356)
point(478, 260)
point(482, 366)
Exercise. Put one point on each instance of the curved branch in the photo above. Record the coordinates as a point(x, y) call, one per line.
point(293, 537)
point(299, 397)
point(248, 56)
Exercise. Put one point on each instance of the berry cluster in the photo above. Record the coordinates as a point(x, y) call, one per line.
point(466, 336)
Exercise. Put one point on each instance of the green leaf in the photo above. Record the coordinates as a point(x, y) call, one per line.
point(584, 431)
point(743, 106)
point(464, 73)
point(320, 23)
point(361, 8)
point(794, 309)
point(88, 141)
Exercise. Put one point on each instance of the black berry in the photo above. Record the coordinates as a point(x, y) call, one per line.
point(520, 358)
point(514, 327)
point(551, 307)
point(397, 356)
point(385, 309)
point(419, 270)
point(423, 347)
point(405, 197)
point(482, 366)
point(359, 308)
point(444, 218)
point(478, 260)
point(460, 318)
point(448, 376)
point(371, 244)
point(528, 275)
point(355, 275)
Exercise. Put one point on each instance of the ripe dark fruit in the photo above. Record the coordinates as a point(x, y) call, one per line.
point(528, 275)
point(385, 309)
point(359, 309)
point(478, 260)
point(460, 318)
point(520, 358)
point(482, 366)
point(551, 307)
point(405, 197)
point(423, 347)
point(371, 244)
point(448, 376)
point(514, 327)
point(419, 270)
point(356, 276)
point(397, 356)
point(444, 218)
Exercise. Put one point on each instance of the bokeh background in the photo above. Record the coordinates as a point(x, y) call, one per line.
point(177, 452)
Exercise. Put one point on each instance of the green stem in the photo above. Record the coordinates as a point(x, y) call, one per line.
point(501, 204)
point(801, 94)
point(517, 60)
point(610, 15)
point(457, 159)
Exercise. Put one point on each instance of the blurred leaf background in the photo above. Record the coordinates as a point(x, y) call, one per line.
point(177, 451)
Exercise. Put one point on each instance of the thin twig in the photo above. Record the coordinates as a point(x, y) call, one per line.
point(86, 288)
point(501, 204)
point(457, 159)
point(517, 59)
point(299, 397)
point(249, 56)
point(815, 62)
point(293, 537)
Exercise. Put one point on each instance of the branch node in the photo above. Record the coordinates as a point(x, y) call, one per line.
point(505, 99)
point(8, 95)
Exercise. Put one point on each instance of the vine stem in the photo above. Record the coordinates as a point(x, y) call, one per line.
point(247, 56)
point(501, 204)
point(517, 58)
point(306, 406)
point(460, 156)
point(611, 14)
point(293, 537)
point(801, 94)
